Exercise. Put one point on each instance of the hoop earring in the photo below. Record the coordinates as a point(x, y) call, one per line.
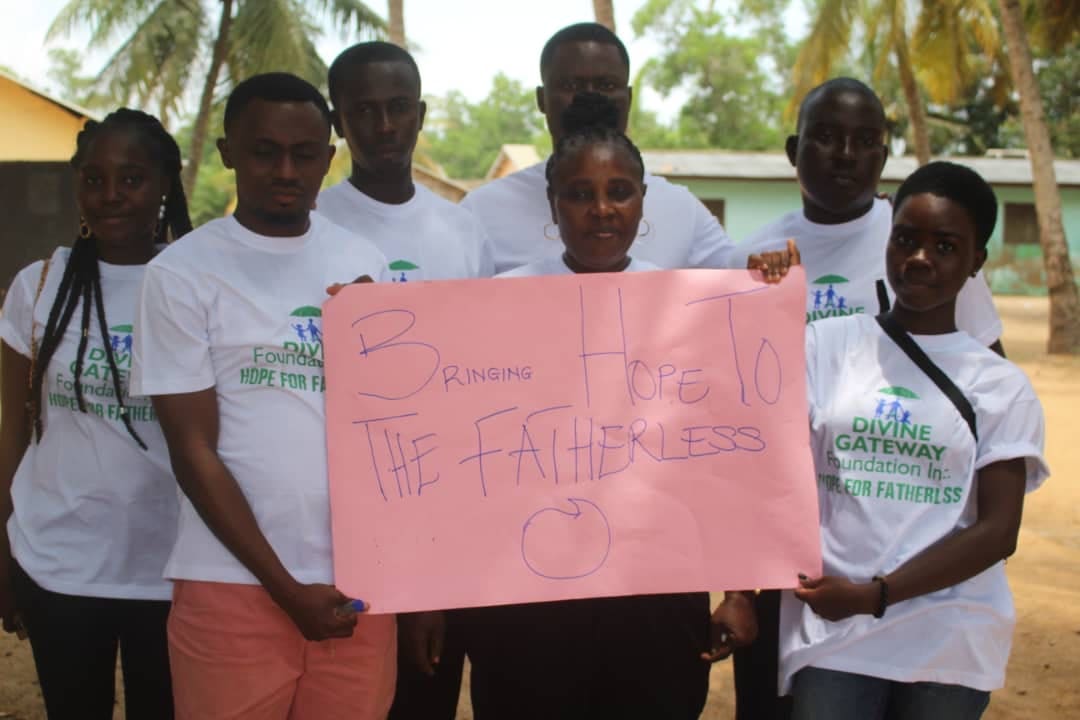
point(84, 229)
point(557, 238)
point(648, 229)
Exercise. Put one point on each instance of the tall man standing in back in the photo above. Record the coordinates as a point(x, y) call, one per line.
point(838, 150)
point(678, 231)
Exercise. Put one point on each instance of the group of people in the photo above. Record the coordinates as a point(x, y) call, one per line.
point(220, 598)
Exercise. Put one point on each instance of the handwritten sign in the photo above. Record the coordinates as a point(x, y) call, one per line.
point(519, 440)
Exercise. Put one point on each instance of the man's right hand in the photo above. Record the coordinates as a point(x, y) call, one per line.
point(319, 611)
point(422, 635)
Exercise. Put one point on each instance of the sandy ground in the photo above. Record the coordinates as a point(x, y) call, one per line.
point(1044, 671)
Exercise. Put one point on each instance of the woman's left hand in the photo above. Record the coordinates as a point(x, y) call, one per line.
point(774, 264)
point(835, 598)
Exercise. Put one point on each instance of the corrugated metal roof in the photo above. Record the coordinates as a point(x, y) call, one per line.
point(720, 164)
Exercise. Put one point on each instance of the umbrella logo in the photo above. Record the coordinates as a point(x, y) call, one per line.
point(403, 267)
point(305, 325)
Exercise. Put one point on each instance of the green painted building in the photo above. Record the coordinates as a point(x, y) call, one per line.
point(747, 190)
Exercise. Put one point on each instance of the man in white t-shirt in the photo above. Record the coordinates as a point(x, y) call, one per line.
point(375, 92)
point(677, 230)
point(839, 151)
point(228, 342)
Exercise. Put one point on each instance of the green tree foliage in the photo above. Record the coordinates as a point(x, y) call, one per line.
point(728, 65)
point(464, 137)
point(932, 47)
point(170, 49)
point(1057, 77)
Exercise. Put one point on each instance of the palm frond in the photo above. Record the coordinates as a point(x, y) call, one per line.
point(353, 19)
point(155, 61)
point(823, 47)
point(105, 18)
point(274, 35)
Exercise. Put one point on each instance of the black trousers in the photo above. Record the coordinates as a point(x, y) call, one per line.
point(75, 640)
point(757, 666)
point(419, 697)
point(623, 657)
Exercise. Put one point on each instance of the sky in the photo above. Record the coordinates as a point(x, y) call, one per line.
point(460, 45)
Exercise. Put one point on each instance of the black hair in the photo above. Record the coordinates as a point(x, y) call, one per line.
point(838, 84)
point(579, 33)
point(590, 118)
point(274, 87)
point(365, 54)
point(81, 281)
point(961, 185)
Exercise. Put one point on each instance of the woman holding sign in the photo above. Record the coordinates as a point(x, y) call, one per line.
point(635, 656)
point(925, 442)
point(88, 499)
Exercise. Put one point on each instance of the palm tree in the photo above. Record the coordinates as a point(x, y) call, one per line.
point(937, 53)
point(604, 11)
point(396, 21)
point(166, 40)
point(1060, 281)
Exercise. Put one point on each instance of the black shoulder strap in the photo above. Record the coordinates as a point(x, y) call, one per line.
point(913, 351)
point(882, 297)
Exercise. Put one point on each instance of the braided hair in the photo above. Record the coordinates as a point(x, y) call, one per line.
point(81, 281)
point(590, 118)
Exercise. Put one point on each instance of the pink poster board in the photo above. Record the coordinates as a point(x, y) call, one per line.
point(519, 440)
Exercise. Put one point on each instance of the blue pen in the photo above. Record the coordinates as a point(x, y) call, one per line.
point(354, 605)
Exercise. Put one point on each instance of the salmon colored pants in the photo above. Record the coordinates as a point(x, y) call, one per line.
point(235, 655)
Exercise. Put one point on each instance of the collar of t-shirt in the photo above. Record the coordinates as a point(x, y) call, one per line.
point(809, 233)
point(365, 202)
point(271, 244)
point(557, 266)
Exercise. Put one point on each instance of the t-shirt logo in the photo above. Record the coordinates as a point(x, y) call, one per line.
point(827, 298)
point(120, 338)
point(890, 407)
point(403, 267)
point(307, 330)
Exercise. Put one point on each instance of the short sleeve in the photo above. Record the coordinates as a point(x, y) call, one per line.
point(711, 246)
point(17, 319)
point(171, 352)
point(975, 311)
point(1011, 425)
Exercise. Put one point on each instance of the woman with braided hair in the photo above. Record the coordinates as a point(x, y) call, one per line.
point(86, 491)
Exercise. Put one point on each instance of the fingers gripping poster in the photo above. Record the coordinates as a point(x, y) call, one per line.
point(520, 440)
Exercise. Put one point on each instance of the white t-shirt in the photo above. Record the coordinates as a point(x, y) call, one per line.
point(94, 514)
point(896, 467)
point(844, 262)
point(425, 238)
point(677, 231)
point(240, 312)
point(556, 266)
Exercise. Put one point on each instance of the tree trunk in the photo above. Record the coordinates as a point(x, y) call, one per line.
point(604, 10)
point(920, 136)
point(1060, 281)
point(397, 22)
point(202, 118)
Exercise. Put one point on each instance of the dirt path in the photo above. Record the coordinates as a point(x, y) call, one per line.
point(1044, 671)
